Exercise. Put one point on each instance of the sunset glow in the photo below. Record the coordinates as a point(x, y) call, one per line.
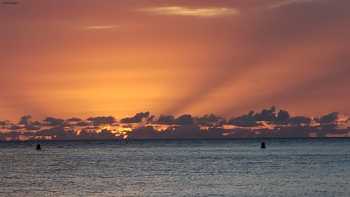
point(175, 98)
point(86, 58)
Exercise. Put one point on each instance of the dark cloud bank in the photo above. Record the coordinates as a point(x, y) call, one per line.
point(266, 123)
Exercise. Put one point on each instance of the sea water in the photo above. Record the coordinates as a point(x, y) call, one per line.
point(287, 167)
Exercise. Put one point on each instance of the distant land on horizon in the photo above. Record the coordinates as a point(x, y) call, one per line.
point(268, 123)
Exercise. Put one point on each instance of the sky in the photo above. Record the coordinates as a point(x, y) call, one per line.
point(87, 57)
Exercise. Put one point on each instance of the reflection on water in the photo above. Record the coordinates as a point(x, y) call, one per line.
point(297, 167)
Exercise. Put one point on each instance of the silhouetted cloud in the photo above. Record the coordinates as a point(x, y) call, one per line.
point(268, 122)
point(247, 120)
point(51, 121)
point(100, 120)
point(300, 120)
point(329, 118)
point(57, 133)
point(283, 117)
point(210, 120)
point(144, 133)
point(266, 115)
point(139, 117)
point(166, 119)
point(185, 119)
point(74, 119)
point(25, 120)
point(104, 134)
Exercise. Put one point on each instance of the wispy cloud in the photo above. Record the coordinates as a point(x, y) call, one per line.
point(196, 12)
point(283, 3)
point(101, 27)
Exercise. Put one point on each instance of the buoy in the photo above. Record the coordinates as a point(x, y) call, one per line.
point(38, 147)
point(263, 145)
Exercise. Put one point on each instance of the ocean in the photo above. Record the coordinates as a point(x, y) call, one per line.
point(287, 167)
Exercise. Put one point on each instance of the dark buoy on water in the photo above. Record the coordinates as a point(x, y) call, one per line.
point(263, 145)
point(38, 147)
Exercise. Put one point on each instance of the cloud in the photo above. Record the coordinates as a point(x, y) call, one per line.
point(101, 27)
point(267, 123)
point(196, 12)
point(185, 119)
point(100, 120)
point(139, 117)
point(51, 121)
point(288, 2)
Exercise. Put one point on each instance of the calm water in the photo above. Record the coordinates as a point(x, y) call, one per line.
point(177, 168)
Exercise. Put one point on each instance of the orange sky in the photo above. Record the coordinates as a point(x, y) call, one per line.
point(88, 57)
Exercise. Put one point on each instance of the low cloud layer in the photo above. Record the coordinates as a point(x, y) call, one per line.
point(266, 123)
